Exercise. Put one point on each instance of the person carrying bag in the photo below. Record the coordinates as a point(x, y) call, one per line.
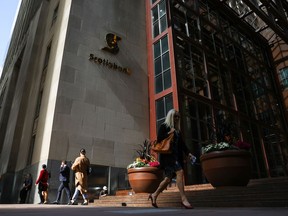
point(172, 163)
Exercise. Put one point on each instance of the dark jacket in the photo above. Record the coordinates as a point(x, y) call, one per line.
point(64, 174)
point(178, 148)
point(27, 184)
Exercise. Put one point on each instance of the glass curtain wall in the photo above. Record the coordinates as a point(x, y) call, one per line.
point(161, 60)
point(224, 73)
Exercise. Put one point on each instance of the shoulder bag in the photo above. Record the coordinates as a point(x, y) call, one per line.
point(163, 147)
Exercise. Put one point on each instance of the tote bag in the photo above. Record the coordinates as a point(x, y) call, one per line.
point(163, 147)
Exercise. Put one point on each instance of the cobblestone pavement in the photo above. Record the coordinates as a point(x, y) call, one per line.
point(52, 210)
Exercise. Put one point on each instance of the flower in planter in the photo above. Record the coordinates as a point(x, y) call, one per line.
point(222, 146)
point(223, 138)
point(144, 159)
point(242, 145)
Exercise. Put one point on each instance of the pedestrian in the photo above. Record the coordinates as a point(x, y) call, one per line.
point(173, 163)
point(103, 192)
point(42, 182)
point(27, 185)
point(64, 176)
point(81, 167)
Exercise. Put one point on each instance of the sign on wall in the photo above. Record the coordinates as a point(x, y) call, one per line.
point(112, 47)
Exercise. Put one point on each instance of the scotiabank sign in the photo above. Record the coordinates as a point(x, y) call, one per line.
point(113, 48)
point(107, 63)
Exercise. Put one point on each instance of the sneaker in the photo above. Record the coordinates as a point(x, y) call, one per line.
point(85, 202)
point(72, 202)
point(55, 202)
point(45, 202)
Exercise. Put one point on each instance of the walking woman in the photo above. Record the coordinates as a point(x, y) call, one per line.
point(172, 163)
point(80, 167)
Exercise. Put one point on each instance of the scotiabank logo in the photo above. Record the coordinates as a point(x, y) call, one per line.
point(107, 63)
point(112, 47)
point(112, 43)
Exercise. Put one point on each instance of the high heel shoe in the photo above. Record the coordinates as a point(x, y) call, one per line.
point(187, 206)
point(153, 202)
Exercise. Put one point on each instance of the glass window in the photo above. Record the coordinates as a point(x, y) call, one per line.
point(190, 62)
point(230, 71)
point(154, 14)
point(158, 84)
point(158, 66)
point(283, 76)
point(156, 29)
point(166, 62)
point(162, 8)
point(163, 105)
point(157, 50)
point(163, 24)
point(162, 65)
point(160, 111)
point(159, 18)
point(164, 43)
point(98, 177)
point(257, 89)
point(167, 79)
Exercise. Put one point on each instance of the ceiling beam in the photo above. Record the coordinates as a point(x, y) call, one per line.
point(234, 17)
point(277, 11)
point(284, 5)
point(267, 20)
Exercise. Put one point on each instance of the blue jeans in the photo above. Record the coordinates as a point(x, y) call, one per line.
point(63, 185)
point(76, 194)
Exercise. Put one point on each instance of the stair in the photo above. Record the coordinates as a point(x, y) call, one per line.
point(270, 192)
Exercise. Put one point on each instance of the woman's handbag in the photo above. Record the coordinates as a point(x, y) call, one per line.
point(163, 147)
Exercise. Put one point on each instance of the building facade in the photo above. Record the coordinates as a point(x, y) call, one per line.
point(102, 75)
point(211, 65)
point(65, 87)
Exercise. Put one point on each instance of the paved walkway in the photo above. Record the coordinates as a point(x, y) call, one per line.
point(52, 210)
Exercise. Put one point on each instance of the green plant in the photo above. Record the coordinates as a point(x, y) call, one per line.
point(222, 136)
point(144, 159)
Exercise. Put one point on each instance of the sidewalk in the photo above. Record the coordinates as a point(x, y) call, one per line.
point(48, 210)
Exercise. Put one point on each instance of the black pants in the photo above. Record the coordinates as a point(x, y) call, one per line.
point(40, 190)
point(23, 194)
point(63, 185)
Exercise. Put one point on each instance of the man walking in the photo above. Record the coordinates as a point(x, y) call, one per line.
point(64, 176)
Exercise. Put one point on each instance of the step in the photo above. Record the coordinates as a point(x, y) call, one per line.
point(272, 192)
